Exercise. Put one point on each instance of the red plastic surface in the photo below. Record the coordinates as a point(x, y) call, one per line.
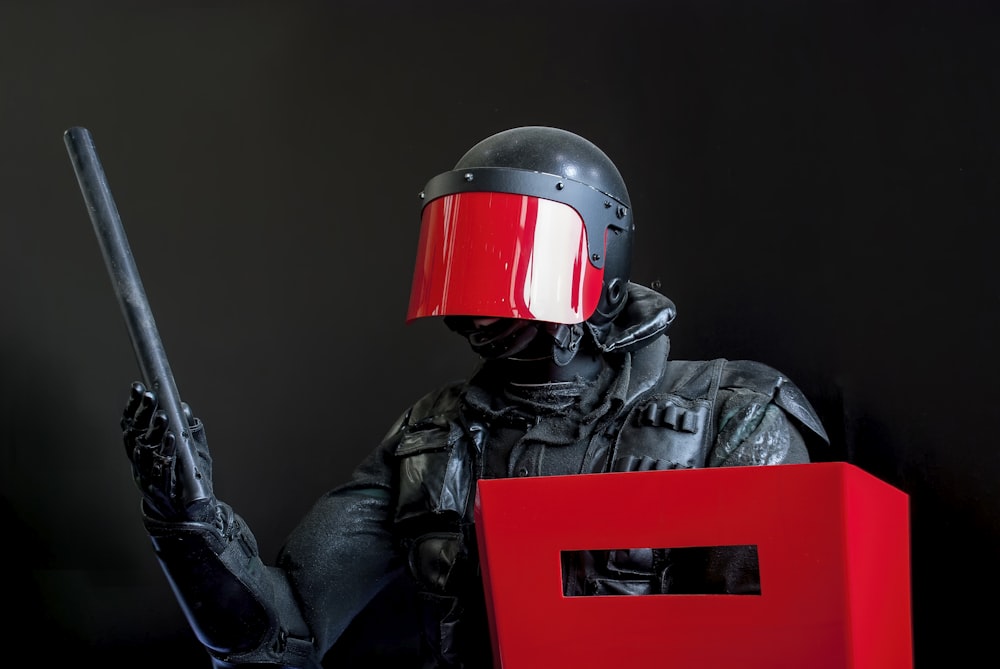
point(833, 546)
point(503, 255)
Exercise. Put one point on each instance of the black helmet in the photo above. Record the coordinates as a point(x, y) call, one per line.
point(533, 223)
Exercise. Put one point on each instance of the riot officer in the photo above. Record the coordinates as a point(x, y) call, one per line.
point(525, 250)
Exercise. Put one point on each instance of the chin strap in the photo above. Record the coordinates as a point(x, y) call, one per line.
point(516, 338)
point(499, 340)
point(646, 316)
point(566, 341)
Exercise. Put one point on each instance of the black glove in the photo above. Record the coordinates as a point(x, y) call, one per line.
point(150, 447)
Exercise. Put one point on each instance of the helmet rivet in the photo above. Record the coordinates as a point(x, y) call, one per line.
point(468, 176)
point(421, 195)
point(621, 212)
point(560, 185)
point(595, 256)
point(607, 204)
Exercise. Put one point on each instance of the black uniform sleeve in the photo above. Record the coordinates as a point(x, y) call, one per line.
point(248, 613)
point(342, 554)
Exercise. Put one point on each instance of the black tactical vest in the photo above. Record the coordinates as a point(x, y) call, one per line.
point(666, 416)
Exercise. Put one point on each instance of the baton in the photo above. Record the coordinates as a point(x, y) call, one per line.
point(146, 343)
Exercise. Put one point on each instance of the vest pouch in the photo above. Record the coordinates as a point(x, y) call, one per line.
point(435, 473)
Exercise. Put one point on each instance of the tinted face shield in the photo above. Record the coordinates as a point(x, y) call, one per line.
point(509, 252)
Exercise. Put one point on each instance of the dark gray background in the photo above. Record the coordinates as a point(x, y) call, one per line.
point(814, 185)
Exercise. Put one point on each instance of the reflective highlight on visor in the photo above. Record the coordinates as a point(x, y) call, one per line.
point(503, 255)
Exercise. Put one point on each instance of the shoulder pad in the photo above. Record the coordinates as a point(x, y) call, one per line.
point(426, 411)
point(444, 400)
point(766, 380)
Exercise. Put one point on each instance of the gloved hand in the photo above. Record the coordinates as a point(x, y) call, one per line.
point(150, 444)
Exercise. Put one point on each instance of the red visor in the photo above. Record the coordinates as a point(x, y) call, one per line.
point(503, 255)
